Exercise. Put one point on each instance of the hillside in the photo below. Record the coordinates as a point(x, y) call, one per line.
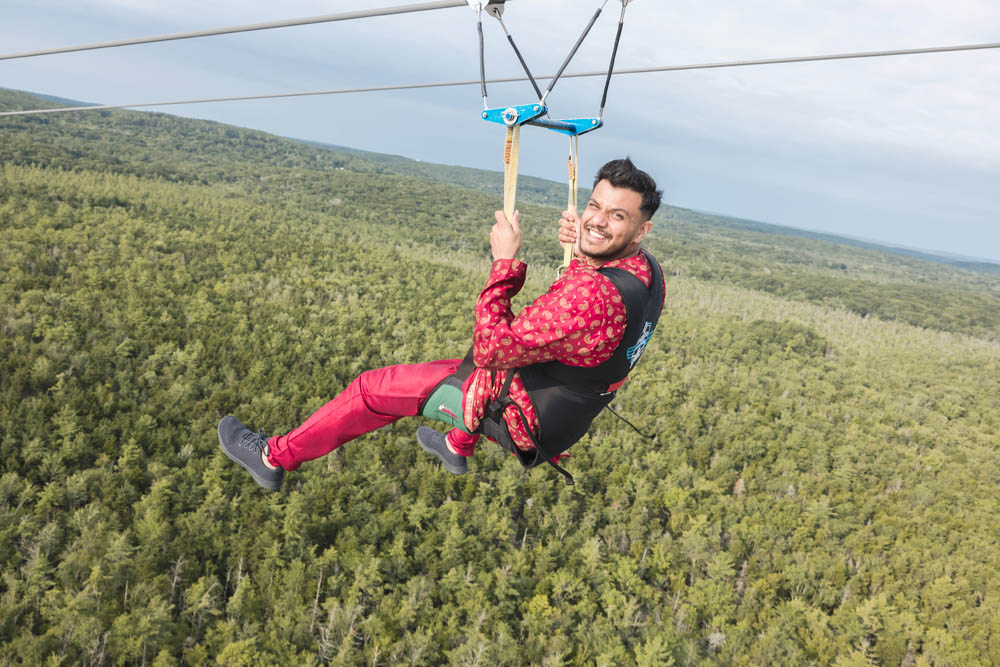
point(858, 277)
point(821, 489)
point(549, 193)
point(862, 277)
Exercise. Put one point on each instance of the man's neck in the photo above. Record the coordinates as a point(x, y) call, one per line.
point(598, 262)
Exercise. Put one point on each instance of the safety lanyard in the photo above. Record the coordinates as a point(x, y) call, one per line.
point(574, 173)
point(537, 113)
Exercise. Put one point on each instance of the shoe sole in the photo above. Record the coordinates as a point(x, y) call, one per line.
point(450, 467)
point(267, 484)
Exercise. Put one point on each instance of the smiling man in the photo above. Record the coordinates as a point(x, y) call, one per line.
point(532, 382)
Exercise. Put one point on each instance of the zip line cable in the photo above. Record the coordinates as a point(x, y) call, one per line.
point(327, 18)
point(639, 70)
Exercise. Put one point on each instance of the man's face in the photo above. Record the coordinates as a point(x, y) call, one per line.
point(612, 225)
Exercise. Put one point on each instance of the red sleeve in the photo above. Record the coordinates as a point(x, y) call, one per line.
point(578, 321)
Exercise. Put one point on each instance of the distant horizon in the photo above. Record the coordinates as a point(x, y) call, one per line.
point(861, 239)
point(904, 149)
point(943, 254)
point(889, 246)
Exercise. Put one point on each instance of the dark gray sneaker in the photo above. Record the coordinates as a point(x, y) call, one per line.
point(245, 447)
point(435, 443)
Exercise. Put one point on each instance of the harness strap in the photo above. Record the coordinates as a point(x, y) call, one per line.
point(495, 408)
point(541, 452)
point(494, 412)
point(634, 427)
point(466, 367)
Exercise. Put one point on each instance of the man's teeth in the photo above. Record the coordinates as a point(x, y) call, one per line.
point(594, 234)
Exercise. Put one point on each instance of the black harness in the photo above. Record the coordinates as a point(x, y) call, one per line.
point(568, 398)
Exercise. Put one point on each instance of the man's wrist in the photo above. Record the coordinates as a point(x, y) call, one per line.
point(505, 263)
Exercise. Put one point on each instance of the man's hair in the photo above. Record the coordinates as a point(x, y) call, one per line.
point(624, 174)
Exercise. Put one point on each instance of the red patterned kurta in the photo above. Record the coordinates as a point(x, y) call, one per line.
point(579, 321)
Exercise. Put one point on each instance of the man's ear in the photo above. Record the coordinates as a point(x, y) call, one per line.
point(644, 228)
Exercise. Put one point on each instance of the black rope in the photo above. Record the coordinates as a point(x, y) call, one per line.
point(634, 428)
point(572, 53)
point(611, 67)
point(482, 58)
point(517, 52)
point(525, 66)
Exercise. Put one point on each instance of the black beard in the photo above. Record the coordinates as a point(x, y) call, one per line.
point(607, 255)
point(600, 255)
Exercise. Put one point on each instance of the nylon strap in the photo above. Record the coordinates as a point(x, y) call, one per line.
point(574, 172)
point(511, 149)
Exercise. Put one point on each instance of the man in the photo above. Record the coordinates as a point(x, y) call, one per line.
point(532, 382)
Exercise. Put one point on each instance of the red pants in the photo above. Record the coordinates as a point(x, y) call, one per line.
point(375, 399)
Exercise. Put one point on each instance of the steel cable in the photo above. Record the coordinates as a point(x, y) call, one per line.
point(327, 18)
point(638, 70)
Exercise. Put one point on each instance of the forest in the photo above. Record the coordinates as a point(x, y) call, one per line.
point(820, 490)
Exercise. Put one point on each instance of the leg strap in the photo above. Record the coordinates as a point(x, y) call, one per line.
point(444, 404)
point(493, 421)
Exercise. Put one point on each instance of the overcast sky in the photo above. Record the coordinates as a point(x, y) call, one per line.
point(902, 150)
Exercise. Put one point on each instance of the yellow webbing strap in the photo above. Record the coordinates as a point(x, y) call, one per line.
point(574, 172)
point(510, 152)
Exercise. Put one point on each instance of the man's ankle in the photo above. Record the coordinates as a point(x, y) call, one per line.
point(263, 457)
point(451, 447)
